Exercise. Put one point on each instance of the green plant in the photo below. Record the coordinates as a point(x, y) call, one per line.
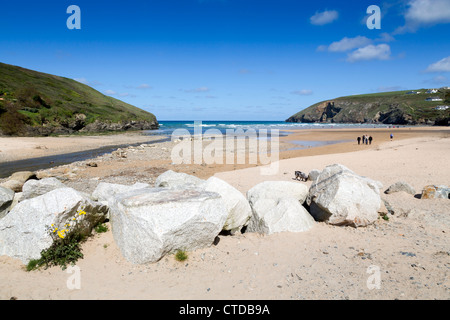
point(101, 227)
point(181, 255)
point(66, 246)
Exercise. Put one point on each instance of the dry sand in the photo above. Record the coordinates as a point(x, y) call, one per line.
point(410, 250)
point(19, 148)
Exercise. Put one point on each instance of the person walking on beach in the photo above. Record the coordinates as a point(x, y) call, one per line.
point(392, 136)
point(370, 139)
point(359, 140)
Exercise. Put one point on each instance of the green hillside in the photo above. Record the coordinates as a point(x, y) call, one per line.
point(397, 107)
point(36, 103)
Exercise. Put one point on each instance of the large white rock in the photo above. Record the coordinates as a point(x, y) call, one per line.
point(277, 207)
point(24, 232)
point(171, 178)
point(149, 223)
point(35, 188)
point(105, 192)
point(277, 190)
point(6, 199)
point(286, 215)
point(239, 210)
point(341, 197)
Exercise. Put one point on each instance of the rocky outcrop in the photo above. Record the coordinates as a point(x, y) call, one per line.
point(381, 108)
point(96, 126)
point(341, 197)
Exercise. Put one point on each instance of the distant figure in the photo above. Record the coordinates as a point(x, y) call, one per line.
point(367, 139)
point(370, 139)
point(363, 139)
point(359, 140)
point(392, 136)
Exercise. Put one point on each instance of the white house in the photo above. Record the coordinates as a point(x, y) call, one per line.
point(413, 92)
point(445, 88)
point(442, 108)
point(434, 99)
point(432, 90)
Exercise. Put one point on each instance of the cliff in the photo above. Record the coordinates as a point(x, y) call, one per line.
point(36, 103)
point(398, 107)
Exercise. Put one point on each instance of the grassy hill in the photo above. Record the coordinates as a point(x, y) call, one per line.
point(397, 107)
point(36, 103)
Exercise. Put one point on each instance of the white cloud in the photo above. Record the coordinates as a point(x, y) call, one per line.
point(201, 89)
point(385, 37)
point(86, 82)
point(144, 86)
point(127, 94)
point(82, 80)
point(390, 88)
point(442, 65)
point(425, 13)
point(110, 92)
point(370, 52)
point(304, 92)
point(347, 44)
point(325, 17)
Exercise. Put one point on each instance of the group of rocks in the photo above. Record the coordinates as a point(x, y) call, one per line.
point(182, 212)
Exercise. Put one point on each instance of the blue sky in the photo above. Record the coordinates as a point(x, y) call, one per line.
point(232, 59)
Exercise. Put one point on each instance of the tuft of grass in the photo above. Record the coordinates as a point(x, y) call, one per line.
point(101, 228)
point(181, 255)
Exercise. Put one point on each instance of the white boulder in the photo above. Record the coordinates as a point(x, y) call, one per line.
point(25, 231)
point(276, 190)
point(171, 179)
point(341, 197)
point(239, 210)
point(6, 199)
point(149, 223)
point(277, 207)
point(105, 192)
point(35, 188)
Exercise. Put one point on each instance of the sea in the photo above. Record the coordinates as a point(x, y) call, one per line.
point(167, 127)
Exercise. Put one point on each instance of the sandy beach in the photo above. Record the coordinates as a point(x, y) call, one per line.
point(411, 249)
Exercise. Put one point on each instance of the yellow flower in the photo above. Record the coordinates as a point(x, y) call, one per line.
point(81, 212)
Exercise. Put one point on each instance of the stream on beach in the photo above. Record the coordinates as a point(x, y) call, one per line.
point(34, 164)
